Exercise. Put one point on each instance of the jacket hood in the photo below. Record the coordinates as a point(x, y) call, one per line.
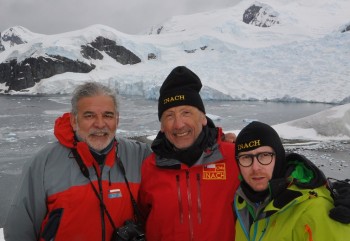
point(300, 172)
point(63, 130)
point(304, 173)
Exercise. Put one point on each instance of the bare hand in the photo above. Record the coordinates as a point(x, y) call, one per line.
point(230, 137)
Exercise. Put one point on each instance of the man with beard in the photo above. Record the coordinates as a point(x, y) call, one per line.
point(188, 183)
point(75, 189)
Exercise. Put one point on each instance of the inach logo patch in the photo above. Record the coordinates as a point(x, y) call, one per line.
point(215, 171)
point(173, 98)
point(250, 144)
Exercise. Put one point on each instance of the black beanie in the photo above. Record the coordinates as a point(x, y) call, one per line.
point(181, 87)
point(257, 134)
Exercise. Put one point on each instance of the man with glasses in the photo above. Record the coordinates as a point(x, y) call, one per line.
point(281, 197)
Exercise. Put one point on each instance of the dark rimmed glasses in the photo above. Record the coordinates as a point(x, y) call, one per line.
point(264, 158)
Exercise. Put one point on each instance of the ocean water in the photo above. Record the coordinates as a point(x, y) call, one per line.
point(26, 125)
point(26, 122)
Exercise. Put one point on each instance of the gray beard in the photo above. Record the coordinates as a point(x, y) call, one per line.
point(101, 152)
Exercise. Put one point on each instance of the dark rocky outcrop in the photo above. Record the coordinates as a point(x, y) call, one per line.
point(2, 47)
point(88, 51)
point(191, 51)
point(110, 47)
point(19, 76)
point(152, 56)
point(156, 30)
point(11, 37)
point(345, 28)
point(260, 15)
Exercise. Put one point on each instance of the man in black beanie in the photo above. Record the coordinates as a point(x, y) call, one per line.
point(181, 87)
point(281, 197)
point(251, 139)
point(188, 183)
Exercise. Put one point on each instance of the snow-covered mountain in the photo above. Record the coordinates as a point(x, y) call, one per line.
point(278, 50)
point(16, 36)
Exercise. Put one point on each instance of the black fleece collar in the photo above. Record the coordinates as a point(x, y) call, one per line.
point(164, 149)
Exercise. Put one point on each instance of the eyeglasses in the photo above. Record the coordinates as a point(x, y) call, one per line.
point(264, 158)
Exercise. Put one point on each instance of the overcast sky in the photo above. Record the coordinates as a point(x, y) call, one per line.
point(128, 16)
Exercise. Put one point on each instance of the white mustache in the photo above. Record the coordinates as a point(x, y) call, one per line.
point(99, 131)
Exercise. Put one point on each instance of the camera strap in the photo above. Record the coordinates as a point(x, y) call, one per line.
point(137, 214)
point(84, 170)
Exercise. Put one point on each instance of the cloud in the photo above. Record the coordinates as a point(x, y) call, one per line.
point(132, 17)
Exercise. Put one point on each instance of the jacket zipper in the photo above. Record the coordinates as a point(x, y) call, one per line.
point(199, 201)
point(103, 225)
point(189, 199)
point(264, 229)
point(179, 199)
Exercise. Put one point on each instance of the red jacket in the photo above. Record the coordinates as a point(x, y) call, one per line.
point(56, 202)
point(191, 203)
